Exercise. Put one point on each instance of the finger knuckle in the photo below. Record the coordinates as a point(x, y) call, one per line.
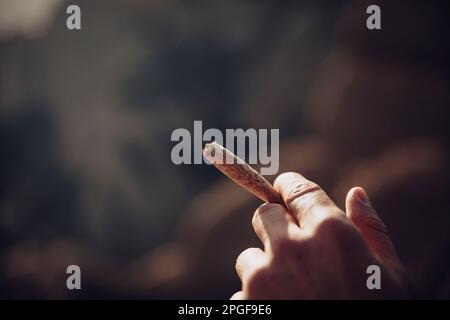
point(336, 226)
point(243, 254)
point(282, 246)
point(291, 251)
point(303, 190)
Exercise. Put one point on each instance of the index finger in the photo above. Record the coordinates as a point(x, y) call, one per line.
point(305, 200)
point(273, 224)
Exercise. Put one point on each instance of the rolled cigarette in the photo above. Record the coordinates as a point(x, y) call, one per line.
point(240, 172)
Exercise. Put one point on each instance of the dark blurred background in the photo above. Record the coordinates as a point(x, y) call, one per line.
point(86, 117)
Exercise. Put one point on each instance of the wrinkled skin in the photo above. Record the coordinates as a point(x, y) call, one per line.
point(313, 250)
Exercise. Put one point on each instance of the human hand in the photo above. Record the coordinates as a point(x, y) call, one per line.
point(313, 250)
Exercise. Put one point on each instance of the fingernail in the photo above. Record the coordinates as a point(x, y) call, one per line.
point(363, 198)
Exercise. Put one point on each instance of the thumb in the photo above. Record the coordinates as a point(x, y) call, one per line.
point(364, 217)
